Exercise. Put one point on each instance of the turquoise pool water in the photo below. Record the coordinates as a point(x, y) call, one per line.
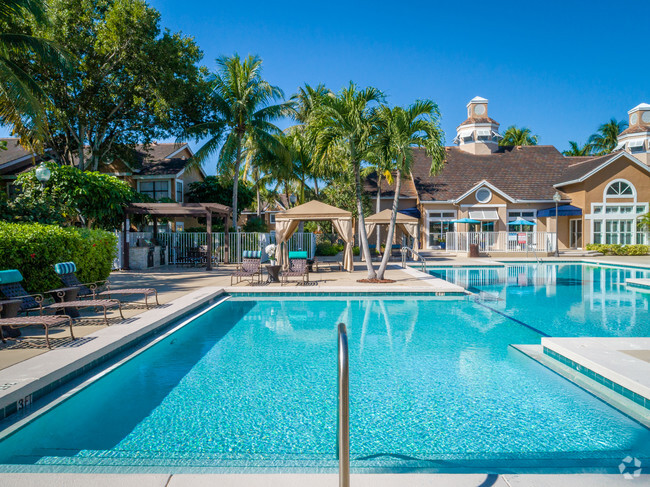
point(562, 299)
point(251, 386)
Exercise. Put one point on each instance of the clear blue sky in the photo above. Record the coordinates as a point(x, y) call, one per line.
point(560, 68)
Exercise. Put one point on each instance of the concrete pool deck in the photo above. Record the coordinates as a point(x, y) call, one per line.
point(320, 480)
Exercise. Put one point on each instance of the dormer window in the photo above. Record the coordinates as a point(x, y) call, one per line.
point(466, 135)
point(483, 134)
point(636, 145)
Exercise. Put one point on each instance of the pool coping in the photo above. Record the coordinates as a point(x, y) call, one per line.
point(23, 383)
point(603, 359)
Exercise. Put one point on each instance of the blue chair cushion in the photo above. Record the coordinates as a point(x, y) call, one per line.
point(10, 276)
point(302, 254)
point(252, 254)
point(65, 268)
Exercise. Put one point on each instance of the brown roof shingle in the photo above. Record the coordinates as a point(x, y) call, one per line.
point(407, 190)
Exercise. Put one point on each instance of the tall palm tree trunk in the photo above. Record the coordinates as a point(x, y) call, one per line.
point(377, 210)
point(235, 184)
point(363, 236)
point(391, 228)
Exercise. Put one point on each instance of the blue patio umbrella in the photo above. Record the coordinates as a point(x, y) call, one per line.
point(465, 220)
point(521, 221)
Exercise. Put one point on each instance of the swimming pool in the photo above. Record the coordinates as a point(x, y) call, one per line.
point(251, 386)
point(567, 299)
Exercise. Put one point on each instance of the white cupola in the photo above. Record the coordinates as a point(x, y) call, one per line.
point(479, 134)
point(636, 138)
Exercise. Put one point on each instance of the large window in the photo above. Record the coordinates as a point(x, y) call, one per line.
point(439, 224)
point(528, 215)
point(155, 189)
point(614, 222)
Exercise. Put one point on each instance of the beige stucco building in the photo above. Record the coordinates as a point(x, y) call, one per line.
point(600, 199)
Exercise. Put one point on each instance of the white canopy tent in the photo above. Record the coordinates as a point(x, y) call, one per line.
point(407, 224)
point(287, 222)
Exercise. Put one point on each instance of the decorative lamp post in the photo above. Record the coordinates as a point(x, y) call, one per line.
point(292, 199)
point(43, 174)
point(557, 197)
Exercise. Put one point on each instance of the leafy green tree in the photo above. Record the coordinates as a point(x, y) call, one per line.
point(605, 140)
point(399, 130)
point(72, 196)
point(344, 123)
point(215, 189)
point(130, 82)
point(576, 150)
point(242, 108)
point(21, 98)
point(518, 136)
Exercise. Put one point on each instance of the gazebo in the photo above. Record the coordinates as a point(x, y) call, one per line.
point(178, 209)
point(287, 222)
point(407, 224)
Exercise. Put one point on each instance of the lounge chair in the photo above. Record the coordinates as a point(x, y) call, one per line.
point(297, 268)
point(66, 272)
point(46, 321)
point(250, 267)
point(10, 286)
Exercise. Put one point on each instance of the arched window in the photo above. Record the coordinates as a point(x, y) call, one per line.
point(620, 189)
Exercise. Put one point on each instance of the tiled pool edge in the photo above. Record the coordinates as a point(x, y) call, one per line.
point(614, 386)
point(40, 375)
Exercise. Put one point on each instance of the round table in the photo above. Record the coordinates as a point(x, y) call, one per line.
point(63, 295)
point(274, 273)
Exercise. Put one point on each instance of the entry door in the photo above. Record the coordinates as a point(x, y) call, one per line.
point(575, 237)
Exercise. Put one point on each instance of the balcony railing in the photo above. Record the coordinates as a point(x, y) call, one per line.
point(519, 242)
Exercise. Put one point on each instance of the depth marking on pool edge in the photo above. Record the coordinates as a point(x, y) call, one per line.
point(511, 318)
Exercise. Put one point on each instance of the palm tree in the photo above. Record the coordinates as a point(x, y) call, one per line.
point(605, 140)
point(346, 122)
point(21, 98)
point(518, 136)
point(576, 150)
point(381, 169)
point(243, 110)
point(399, 130)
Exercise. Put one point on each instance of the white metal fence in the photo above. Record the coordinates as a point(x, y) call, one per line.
point(501, 241)
point(182, 247)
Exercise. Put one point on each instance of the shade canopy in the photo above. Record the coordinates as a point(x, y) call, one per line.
point(384, 217)
point(177, 209)
point(313, 211)
point(413, 211)
point(465, 220)
point(521, 221)
point(564, 210)
point(287, 222)
point(484, 215)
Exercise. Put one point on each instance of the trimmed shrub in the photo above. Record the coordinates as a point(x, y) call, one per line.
point(326, 249)
point(618, 249)
point(33, 249)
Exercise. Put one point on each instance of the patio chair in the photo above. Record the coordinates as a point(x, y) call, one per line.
point(250, 267)
point(12, 289)
point(297, 268)
point(46, 321)
point(66, 272)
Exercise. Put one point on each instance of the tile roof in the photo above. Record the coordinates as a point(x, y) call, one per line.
point(472, 120)
point(635, 129)
point(407, 190)
point(523, 173)
point(527, 172)
point(13, 153)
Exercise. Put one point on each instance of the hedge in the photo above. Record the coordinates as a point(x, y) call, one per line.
point(33, 249)
point(618, 249)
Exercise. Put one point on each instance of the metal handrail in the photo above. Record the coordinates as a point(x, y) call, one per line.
point(404, 250)
point(343, 427)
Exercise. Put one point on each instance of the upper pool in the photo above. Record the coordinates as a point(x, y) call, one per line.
point(250, 386)
point(561, 299)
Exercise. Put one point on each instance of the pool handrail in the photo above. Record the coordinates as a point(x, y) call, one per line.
point(343, 426)
point(415, 253)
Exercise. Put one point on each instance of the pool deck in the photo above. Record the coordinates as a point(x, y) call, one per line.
point(321, 480)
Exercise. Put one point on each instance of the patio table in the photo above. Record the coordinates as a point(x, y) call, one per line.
point(273, 272)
